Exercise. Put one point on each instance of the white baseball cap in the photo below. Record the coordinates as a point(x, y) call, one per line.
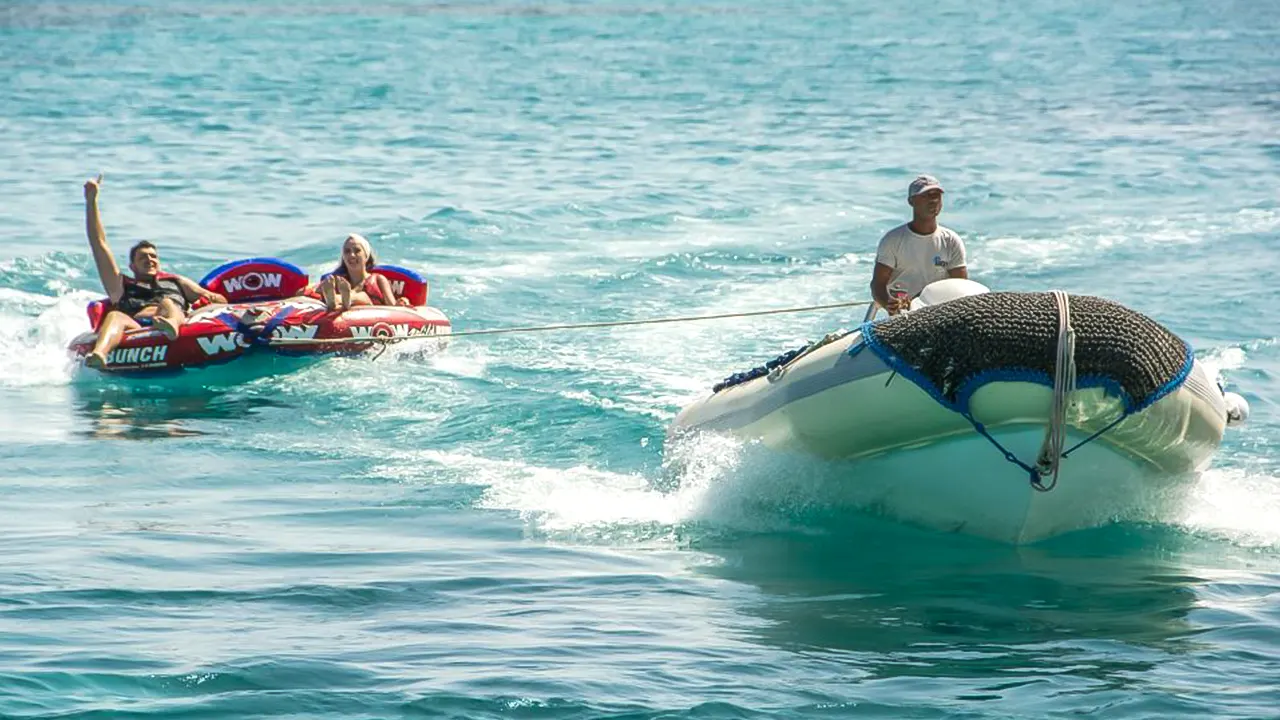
point(923, 183)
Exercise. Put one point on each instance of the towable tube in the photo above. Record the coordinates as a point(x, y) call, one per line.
point(266, 314)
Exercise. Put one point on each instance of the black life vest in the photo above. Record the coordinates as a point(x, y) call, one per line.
point(139, 295)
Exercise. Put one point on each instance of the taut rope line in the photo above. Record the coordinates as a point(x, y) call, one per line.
point(569, 326)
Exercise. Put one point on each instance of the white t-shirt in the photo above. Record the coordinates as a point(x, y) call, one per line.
point(918, 260)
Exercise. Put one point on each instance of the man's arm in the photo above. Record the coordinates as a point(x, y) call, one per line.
point(880, 287)
point(957, 265)
point(194, 292)
point(108, 271)
point(886, 259)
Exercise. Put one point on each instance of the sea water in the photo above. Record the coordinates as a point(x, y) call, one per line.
point(491, 531)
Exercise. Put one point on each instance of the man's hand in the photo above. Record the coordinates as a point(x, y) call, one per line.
point(217, 299)
point(91, 188)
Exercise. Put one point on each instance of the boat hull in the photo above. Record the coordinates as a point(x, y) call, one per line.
point(907, 456)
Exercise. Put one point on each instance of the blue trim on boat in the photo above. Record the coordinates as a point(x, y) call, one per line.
point(964, 392)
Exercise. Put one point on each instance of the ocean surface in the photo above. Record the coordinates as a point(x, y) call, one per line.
point(490, 532)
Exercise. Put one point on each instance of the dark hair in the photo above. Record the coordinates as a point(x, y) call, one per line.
point(369, 264)
point(140, 246)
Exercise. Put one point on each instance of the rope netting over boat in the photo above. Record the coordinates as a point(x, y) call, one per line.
point(954, 348)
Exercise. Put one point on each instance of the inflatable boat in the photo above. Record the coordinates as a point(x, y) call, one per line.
point(1013, 416)
point(265, 313)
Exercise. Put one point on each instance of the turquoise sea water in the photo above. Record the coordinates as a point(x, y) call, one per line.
point(489, 532)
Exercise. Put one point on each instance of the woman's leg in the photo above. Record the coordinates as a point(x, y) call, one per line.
point(326, 293)
point(344, 291)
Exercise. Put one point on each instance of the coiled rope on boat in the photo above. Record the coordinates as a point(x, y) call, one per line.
point(1064, 383)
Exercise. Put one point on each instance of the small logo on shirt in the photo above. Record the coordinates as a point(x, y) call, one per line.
point(938, 261)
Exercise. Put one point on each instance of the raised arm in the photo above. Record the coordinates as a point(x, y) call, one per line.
point(108, 271)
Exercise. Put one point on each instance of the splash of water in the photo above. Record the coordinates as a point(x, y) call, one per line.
point(34, 333)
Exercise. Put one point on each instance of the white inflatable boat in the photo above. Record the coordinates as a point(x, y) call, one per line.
point(1014, 416)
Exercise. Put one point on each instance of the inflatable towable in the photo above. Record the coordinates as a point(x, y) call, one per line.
point(944, 416)
point(265, 313)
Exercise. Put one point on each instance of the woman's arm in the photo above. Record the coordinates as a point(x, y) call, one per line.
point(384, 285)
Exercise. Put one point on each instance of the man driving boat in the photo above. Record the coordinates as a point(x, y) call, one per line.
point(917, 253)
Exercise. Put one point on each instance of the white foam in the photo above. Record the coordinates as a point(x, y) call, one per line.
point(1082, 244)
point(592, 504)
point(1220, 360)
point(33, 348)
point(469, 360)
point(715, 482)
point(635, 405)
point(1238, 505)
point(569, 499)
point(1015, 252)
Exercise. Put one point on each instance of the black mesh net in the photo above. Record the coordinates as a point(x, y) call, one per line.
point(950, 343)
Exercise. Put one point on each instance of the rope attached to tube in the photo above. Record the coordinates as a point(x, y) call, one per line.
point(569, 326)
